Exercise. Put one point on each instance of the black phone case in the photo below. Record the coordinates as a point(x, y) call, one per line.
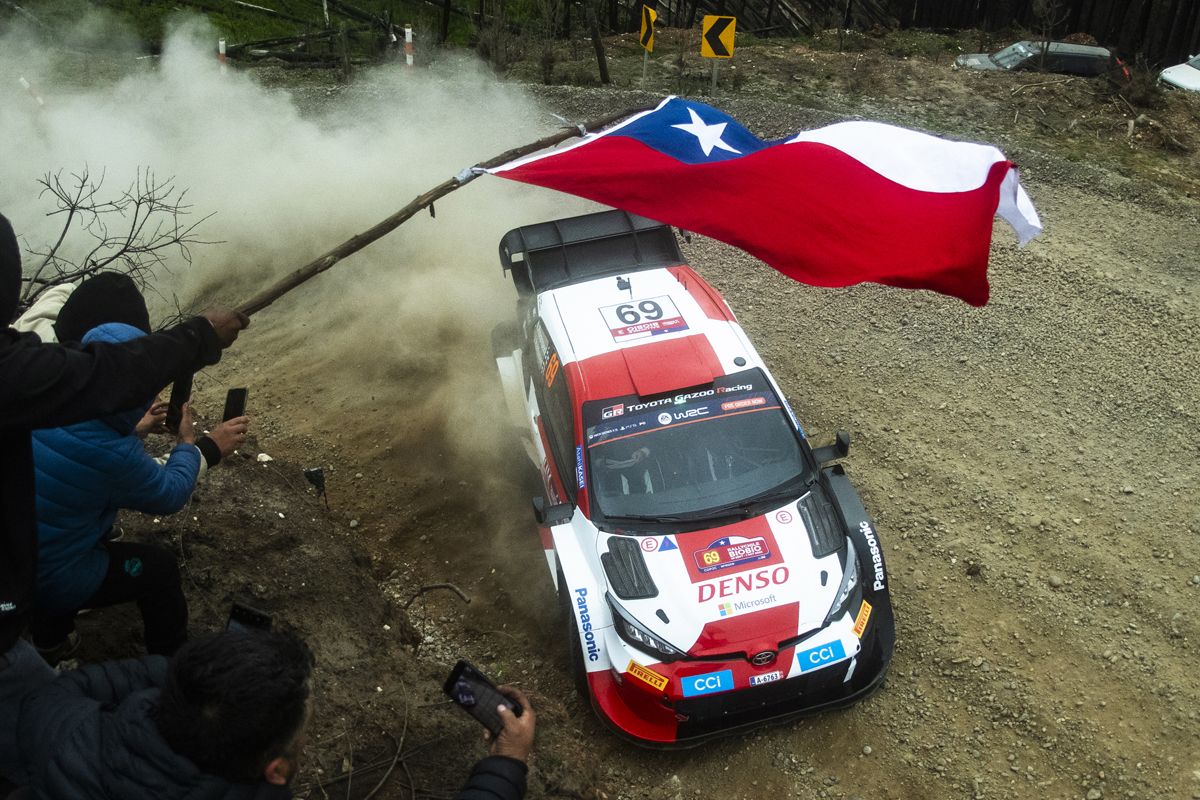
point(471, 690)
point(181, 392)
point(245, 618)
point(235, 404)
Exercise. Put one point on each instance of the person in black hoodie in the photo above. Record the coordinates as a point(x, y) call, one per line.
point(225, 719)
point(51, 385)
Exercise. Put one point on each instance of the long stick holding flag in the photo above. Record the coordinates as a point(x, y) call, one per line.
point(426, 200)
point(839, 205)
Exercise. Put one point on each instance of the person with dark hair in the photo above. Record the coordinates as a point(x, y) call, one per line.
point(225, 719)
point(48, 385)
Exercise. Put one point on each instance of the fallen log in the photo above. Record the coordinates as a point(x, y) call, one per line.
point(318, 265)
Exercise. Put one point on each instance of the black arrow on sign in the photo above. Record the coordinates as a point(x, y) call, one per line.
point(647, 26)
point(713, 36)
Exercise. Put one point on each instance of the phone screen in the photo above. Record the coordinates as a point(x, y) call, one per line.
point(474, 693)
point(235, 404)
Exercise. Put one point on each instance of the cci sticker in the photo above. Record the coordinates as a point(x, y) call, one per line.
point(860, 622)
point(708, 683)
point(647, 675)
point(766, 677)
point(820, 656)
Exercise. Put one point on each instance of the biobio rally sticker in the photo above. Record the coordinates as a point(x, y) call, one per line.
point(860, 622)
point(647, 675)
point(731, 551)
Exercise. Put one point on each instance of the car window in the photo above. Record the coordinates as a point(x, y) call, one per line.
point(1013, 55)
point(687, 454)
point(554, 402)
point(1195, 62)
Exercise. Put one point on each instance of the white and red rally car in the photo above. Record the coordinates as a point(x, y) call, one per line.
point(715, 571)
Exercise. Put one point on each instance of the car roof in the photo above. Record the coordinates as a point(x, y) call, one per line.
point(1072, 49)
point(697, 340)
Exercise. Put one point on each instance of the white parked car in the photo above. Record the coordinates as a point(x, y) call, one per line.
point(1183, 76)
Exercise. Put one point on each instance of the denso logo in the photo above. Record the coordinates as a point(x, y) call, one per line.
point(585, 625)
point(746, 582)
point(876, 556)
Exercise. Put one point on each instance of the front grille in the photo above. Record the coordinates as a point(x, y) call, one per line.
point(711, 713)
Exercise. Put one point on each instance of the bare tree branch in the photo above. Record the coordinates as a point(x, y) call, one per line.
point(138, 232)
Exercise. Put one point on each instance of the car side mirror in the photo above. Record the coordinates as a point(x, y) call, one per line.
point(553, 515)
point(839, 449)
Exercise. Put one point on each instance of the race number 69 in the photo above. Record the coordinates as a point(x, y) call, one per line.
point(646, 309)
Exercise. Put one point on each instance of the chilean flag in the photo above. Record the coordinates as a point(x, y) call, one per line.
point(835, 206)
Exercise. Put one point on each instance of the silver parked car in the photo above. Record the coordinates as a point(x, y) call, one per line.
point(1072, 59)
point(1183, 76)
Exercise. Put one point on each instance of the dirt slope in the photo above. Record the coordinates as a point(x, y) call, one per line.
point(1032, 467)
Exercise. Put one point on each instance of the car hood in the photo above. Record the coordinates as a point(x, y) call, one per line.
point(1182, 76)
point(976, 61)
point(744, 587)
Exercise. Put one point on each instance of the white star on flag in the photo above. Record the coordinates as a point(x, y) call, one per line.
point(709, 136)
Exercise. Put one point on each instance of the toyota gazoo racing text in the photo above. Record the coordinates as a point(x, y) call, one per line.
point(715, 570)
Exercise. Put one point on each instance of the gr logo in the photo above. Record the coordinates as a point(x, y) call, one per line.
point(820, 656)
point(709, 682)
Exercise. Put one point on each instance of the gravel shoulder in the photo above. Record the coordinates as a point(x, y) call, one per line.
point(1032, 466)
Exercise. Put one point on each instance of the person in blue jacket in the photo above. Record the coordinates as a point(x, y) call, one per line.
point(85, 473)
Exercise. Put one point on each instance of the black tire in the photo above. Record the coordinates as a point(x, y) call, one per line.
point(578, 667)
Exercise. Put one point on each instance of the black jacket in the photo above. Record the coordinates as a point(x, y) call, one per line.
point(91, 734)
point(44, 386)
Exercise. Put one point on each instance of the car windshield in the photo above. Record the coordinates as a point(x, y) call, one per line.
point(1194, 63)
point(707, 453)
point(1013, 55)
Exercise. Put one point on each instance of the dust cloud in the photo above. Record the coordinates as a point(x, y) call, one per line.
point(391, 345)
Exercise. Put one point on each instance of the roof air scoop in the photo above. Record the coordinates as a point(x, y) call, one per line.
point(625, 285)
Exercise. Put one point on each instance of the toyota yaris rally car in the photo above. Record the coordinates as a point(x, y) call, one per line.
point(715, 570)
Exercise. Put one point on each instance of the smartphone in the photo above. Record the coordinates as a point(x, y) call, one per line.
point(181, 392)
point(235, 404)
point(243, 618)
point(478, 696)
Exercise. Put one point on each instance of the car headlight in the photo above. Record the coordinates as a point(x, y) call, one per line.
point(850, 590)
point(633, 633)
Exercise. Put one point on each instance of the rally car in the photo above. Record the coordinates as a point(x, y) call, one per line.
point(714, 569)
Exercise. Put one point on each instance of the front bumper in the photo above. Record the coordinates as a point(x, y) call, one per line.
point(652, 719)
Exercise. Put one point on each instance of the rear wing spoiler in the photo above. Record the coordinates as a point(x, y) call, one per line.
point(548, 255)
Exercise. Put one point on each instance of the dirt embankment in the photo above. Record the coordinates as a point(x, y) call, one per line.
point(1032, 466)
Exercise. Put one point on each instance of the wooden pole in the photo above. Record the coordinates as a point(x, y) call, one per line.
point(318, 265)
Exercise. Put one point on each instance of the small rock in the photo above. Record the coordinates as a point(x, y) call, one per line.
point(866, 750)
point(1094, 794)
point(1126, 490)
point(977, 662)
point(353, 523)
point(264, 458)
point(1055, 581)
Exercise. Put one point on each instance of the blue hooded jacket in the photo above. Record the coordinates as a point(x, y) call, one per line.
point(84, 473)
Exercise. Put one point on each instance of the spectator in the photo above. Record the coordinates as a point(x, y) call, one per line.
point(66, 313)
point(225, 718)
point(48, 385)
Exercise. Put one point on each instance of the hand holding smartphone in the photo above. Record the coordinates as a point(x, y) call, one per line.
point(471, 690)
point(235, 404)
